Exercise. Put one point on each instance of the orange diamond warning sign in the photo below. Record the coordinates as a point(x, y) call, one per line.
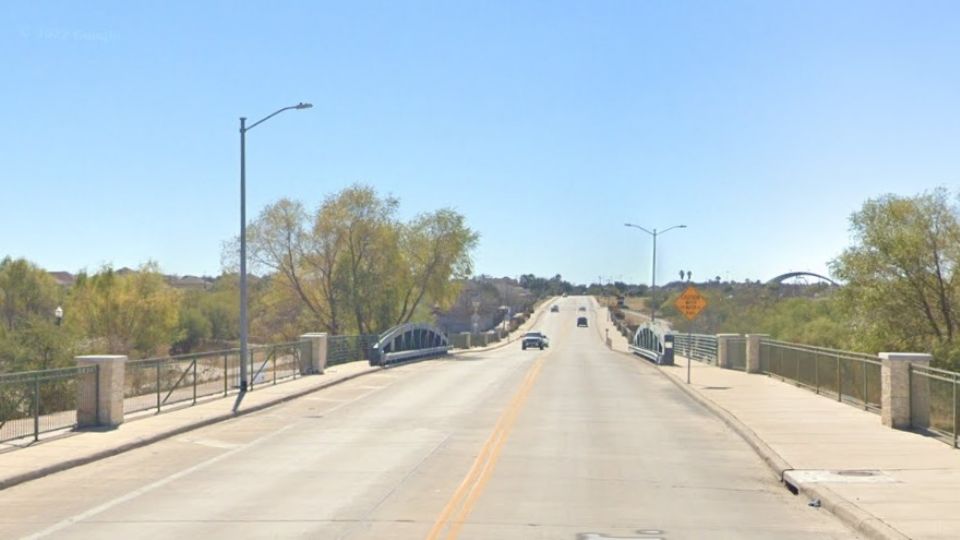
point(691, 303)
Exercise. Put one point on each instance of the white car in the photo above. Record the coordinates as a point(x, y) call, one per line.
point(535, 340)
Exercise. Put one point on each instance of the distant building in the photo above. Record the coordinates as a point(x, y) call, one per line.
point(64, 279)
point(190, 282)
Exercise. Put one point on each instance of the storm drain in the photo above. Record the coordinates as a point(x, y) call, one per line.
point(796, 478)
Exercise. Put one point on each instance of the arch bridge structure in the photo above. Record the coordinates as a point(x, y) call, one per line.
point(408, 342)
point(652, 343)
point(790, 275)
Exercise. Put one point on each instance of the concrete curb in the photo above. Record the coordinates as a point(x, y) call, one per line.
point(849, 513)
point(102, 454)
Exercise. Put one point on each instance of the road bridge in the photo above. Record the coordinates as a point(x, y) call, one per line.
point(576, 441)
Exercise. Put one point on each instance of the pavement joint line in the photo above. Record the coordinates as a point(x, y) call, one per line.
point(848, 512)
point(157, 437)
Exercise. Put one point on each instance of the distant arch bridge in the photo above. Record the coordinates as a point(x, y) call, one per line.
point(790, 275)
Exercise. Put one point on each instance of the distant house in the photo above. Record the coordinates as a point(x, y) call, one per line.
point(64, 279)
point(190, 282)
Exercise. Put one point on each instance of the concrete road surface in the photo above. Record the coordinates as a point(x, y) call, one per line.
point(574, 442)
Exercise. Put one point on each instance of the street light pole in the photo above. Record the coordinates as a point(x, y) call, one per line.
point(243, 256)
point(653, 273)
point(244, 323)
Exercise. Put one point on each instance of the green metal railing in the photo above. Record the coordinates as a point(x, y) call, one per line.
point(155, 383)
point(934, 402)
point(849, 376)
point(343, 349)
point(271, 364)
point(701, 347)
point(35, 402)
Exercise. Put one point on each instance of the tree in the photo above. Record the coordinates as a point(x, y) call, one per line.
point(902, 286)
point(29, 337)
point(436, 248)
point(353, 265)
point(26, 292)
point(133, 313)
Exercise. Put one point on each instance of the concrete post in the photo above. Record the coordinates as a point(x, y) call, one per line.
point(895, 391)
point(318, 353)
point(753, 352)
point(723, 349)
point(107, 409)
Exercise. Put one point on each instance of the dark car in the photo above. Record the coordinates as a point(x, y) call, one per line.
point(555, 308)
point(581, 321)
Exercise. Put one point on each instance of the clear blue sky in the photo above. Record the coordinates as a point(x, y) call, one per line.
point(761, 125)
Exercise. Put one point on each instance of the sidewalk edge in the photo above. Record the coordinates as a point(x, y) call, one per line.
point(849, 513)
point(139, 443)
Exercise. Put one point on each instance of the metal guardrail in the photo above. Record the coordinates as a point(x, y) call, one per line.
point(934, 402)
point(701, 347)
point(850, 376)
point(155, 383)
point(271, 364)
point(35, 402)
point(343, 349)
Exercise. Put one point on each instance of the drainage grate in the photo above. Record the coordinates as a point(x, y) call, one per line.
point(854, 476)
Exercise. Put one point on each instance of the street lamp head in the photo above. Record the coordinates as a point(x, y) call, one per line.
point(303, 105)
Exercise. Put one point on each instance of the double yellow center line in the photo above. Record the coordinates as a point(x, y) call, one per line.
point(458, 509)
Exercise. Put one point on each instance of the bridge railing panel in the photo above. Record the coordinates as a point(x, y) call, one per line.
point(848, 376)
point(699, 347)
point(343, 349)
point(37, 402)
point(934, 402)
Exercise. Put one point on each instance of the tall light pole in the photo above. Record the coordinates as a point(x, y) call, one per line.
point(653, 279)
point(244, 128)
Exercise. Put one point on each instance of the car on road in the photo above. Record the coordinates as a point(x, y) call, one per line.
point(582, 308)
point(555, 308)
point(581, 321)
point(536, 340)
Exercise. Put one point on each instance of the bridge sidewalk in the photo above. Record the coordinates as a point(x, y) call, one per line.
point(72, 449)
point(903, 485)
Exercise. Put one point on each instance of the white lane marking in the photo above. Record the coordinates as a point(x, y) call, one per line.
point(212, 443)
point(59, 526)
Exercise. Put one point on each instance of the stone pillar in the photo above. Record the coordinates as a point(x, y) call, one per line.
point(895, 398)
point(753, 352)
point(317, 362)
point(107, 409)
point(723, 349)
